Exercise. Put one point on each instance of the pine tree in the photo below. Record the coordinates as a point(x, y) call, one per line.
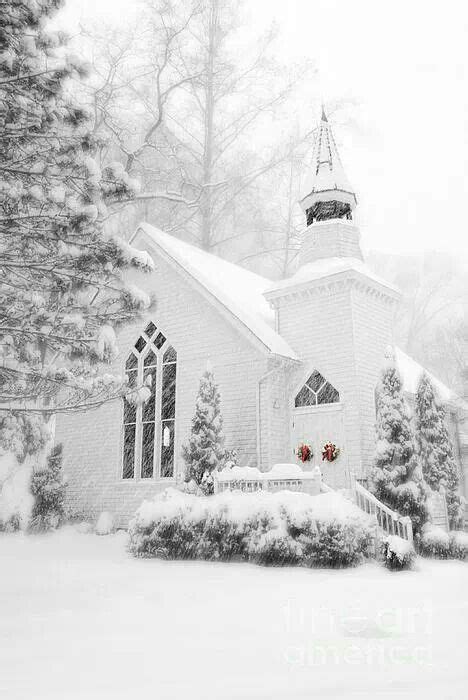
point(48, 489)
point(435, 448)
point(204, 452)
point(397, 478)
point(61, 290)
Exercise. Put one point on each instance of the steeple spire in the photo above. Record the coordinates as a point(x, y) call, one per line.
point(327, 192)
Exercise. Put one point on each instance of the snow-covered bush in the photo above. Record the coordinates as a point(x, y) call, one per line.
point(11, 524)
point(268, 528)
point(105, 524)
point(435, 542)
point(16, 499)
point(48, 490)
point(459, 544)
point(398, 553)
point(336, 544)
point(275, 547)
point(84, 528)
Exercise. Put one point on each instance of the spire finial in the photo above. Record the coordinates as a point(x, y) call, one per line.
point(324, 116)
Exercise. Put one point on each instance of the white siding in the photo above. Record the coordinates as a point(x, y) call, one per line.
point(93, 440)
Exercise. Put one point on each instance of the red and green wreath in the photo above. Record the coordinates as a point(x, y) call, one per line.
point(330, 452)
point(304, 452)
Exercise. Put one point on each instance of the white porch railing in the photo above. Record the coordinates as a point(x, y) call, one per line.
point(388, 520)
point(281, 477)
point(292, 478)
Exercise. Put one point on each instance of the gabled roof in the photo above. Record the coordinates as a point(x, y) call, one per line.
point(411, 372)
point(238, 290)
point(241, 293)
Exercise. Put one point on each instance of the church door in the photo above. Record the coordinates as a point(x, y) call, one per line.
point(315, 426)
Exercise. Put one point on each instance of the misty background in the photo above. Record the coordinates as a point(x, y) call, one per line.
point(211, 106)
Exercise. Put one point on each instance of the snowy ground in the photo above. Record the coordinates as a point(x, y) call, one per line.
point(81, 619)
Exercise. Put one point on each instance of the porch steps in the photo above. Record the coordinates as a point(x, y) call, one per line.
point(438, 510)
point(389, 522)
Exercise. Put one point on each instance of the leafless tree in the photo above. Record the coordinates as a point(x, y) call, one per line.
point(184, 112)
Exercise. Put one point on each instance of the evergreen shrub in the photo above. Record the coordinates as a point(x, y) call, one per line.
point(435, 542)
point(48, 489)
point(397, 478)
point(439, 544)
point(459, 544)
point(398, 554)
point(272, 529)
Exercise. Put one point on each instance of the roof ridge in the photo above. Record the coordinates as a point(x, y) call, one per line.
point(238, 290)
point(143, 225)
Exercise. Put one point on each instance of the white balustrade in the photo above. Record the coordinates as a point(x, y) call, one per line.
point(282, 477)
point(388, 520)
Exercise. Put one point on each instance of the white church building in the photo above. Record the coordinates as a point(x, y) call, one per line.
point(296, 361)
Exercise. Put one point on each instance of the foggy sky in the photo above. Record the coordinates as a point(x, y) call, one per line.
point(405, 146)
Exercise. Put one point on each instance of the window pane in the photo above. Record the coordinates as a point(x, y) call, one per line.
point(149, 407)
point(128, 471)
point(328, 394)
point(150, 359)
point(132, 362)
point(129, 408)
point(168, 391)
point(170, 355)
point(315, 381)
point(147, 451)
point(167, 448)
point(150, 329)
point(129, 412)
point(305, 398)
point(140, 344)
point(159, 341)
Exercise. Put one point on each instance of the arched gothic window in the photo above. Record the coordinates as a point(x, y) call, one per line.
point(316, 392)
point(148, 446)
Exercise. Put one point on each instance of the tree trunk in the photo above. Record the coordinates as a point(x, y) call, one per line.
point(207, 205)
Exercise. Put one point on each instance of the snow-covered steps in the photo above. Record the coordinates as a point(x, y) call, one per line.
point(389, 521)
point(438, 510)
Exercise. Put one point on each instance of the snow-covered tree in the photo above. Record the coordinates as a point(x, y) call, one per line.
point(396, 476)
point(61, 290)
point(48, 489)
point(435, 448)
point(204, 452)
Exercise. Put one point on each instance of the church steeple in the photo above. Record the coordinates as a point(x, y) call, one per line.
point(327, 193)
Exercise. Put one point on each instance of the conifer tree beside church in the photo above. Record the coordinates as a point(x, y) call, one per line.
point(61, 290)
point(435, 448)
point(396, 476)
point(204, 452)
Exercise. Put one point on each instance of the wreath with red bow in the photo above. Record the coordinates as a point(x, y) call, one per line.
point(304, 452)
point(330, 452)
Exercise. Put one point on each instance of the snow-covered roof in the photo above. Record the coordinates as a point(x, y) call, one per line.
point(411, 372)
point(242, 292)
point(327, 267)
point(326, 170)
point(237, 289)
